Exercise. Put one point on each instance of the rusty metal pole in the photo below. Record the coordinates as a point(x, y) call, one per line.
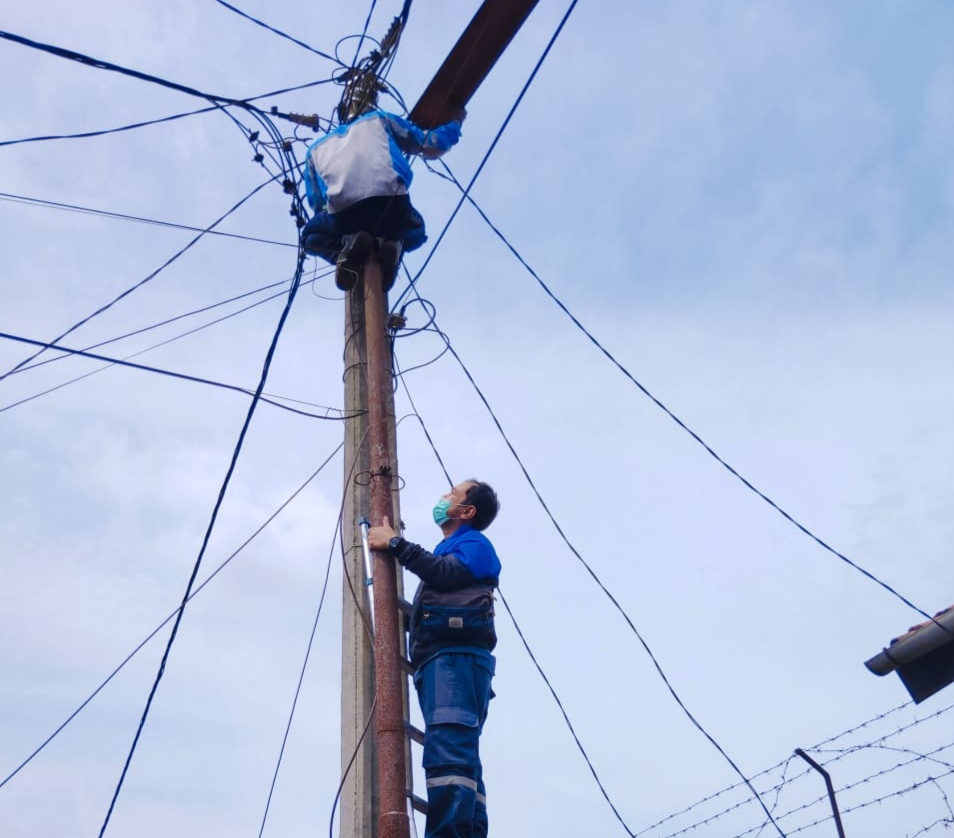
point(393, 820)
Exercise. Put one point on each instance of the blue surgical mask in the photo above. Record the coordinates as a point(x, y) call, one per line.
point(441, 508)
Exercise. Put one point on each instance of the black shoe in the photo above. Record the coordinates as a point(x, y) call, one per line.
point(389, 257)
point(355, 252)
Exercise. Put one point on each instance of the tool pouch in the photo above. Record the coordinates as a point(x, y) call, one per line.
point(458, 618)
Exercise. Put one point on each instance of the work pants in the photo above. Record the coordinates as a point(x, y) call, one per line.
point(386, 217)
point(454, 692)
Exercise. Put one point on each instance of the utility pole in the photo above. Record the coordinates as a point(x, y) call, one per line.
point(374, 797)
point(358, 762)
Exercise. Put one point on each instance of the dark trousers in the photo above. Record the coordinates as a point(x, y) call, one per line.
point(454, 692)
point(387, 216)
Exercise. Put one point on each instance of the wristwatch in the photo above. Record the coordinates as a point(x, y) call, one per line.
point(395, 544)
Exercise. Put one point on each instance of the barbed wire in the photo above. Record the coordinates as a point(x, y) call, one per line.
point(902, 777)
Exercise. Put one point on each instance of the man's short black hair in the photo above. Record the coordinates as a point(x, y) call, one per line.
point(484, 499)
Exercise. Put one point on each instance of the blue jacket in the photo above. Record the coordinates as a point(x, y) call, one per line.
point(364, 158)
point(454, 604)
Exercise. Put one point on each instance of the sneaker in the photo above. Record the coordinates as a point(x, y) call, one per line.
point(356, 248)
point(389, 257)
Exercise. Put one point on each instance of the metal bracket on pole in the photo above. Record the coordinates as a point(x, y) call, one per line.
point(364, 524)
point(828, 784)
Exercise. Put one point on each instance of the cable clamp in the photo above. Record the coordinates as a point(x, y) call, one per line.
point(396, 321)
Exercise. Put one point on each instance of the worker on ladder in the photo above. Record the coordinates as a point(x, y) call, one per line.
point(452, 636)
point(357, 179)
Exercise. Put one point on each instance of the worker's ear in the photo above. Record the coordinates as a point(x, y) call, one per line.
point(467, 511)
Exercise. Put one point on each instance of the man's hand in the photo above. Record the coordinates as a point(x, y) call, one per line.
point(378, 537)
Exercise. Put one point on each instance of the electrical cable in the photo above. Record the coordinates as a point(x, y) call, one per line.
point(349, 766)
point(576, 322)
point(400, 375)
point(335, 537)
point(269, 397)
point(89, 61)
point(170, 320)
point(490, 151)
point(219, 101)
point(546, 680)
point(304, 668)
point(609, 595)
point(158, 370)
point(42, 202)
point(104, 131)
point(277, 31)
point(215, 512)
point(158, 628)
point(364, 32)
point(141, 282)
point(429, 308)
point(566, 718)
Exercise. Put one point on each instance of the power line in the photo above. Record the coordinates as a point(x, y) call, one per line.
point(99, 64)
point(158, 370)
point(304, 668)
point(416, 415)
point(277, 31)
point(158, 628)
point(208, 534)
point(490, 151)
point(166, 342)
point(43, 202)
point(519, 631)
point(288, 165)
point(335, 537)
point(645, 391)
point(141, 282)
point(609, 595)
point(566, 718)
point(174, 319)
point(104, 131)
point(603, 587)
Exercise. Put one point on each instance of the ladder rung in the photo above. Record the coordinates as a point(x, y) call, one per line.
point(414, 733)
point(407, 666)
point(419, 804)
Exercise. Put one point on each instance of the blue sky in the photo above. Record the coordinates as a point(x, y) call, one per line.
point(750, 205)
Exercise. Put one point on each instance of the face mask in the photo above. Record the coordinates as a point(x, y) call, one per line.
point(441, 508)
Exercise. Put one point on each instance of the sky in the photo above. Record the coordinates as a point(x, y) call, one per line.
point(750, 206)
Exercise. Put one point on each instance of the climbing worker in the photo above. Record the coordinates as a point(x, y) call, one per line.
point(452, 636)
point(357, 179)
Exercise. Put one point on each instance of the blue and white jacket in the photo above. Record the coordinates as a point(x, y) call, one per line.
point(364, 158)
point(454, 605)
